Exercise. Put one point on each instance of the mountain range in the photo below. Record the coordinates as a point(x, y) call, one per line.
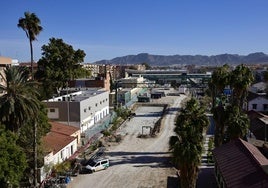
point(173, 60)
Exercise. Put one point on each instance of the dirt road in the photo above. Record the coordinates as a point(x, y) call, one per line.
point(138, 162)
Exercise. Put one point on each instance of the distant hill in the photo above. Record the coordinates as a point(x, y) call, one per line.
point(160, 60)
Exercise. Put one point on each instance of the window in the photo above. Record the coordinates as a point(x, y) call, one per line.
point(104, 162)
point(72, 149)
point(61, 154)
point(254, 106)
point(85, 110)
point(89, 108)
point(96, 104)
point(265, 107)
point(52, 110)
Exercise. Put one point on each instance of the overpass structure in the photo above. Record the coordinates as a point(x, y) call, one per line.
point(168, 76)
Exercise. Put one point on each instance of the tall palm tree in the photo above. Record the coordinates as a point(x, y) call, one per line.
point(240, 80)
point(219, 80)
point(31, 25)
point(237, 123)
point(186, 146)
point(19, 102)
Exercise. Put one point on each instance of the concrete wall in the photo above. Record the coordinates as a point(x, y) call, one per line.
point(84, 110)
point(62, 155)
point(260, 102)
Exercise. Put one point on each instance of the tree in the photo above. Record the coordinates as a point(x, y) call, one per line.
point(25, 141)
point(19, 103)
point(186, 146)
point(31, 25)
point(147, 66)
point(12, 159)
point(237, 123)
point(59, 63)
point(240, 79)
point(219, 80)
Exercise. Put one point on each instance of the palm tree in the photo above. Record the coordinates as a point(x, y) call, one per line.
point(186, 146)
point(240, 80)
point(19, 102)
point(220, 79)
point(31, 25)
point(237, 123)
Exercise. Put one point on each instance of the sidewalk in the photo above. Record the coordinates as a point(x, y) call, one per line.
point(206, 176)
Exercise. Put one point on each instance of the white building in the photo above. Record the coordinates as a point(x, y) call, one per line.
point(81, 109)
point(257, 102)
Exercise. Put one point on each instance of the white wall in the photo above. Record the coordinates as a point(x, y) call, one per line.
point(260, 101)
point(51, 114)
point(52, 159)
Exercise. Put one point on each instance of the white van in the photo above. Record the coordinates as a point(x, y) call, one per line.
point(98, 164)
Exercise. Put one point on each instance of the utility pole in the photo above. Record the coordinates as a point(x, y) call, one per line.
point(116, 97)
point(68, 107)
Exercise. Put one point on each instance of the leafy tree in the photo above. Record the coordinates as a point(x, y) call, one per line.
point(31, 25)
point(59, 63)
point(133, 67)
point(186, 146)
point(265, 76)
point(12, 159)
point(147, 66)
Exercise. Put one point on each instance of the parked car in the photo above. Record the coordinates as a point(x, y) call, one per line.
point(97, 164)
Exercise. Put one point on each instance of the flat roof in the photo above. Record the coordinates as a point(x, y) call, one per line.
point(77, 96)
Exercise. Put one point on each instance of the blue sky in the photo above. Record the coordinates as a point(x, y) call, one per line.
point(105, 29)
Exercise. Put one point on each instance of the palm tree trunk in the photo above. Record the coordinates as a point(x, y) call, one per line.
point(35, 126)
point(188, 177)
point(35, 154)
point(31, 47)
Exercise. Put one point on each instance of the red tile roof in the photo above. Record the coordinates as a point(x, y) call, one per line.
point(241, 164)
point(63, 129)
point(258, 124)
point(54, 141)
point(59, 137)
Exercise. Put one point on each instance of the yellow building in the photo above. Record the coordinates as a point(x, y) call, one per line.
point(4, 62)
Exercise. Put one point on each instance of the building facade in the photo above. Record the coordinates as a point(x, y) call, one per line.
point(81, 109)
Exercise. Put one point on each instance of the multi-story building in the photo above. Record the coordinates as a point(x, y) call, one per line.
point(116, 71)
point(81, 109)
point(101, 81)
point(93, 68)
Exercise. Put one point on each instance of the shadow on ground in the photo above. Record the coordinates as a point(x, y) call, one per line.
point(141, 159)
point(172, 182)
point(206, 178)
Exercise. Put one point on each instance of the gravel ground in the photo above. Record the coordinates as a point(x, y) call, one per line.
point(138, 162)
